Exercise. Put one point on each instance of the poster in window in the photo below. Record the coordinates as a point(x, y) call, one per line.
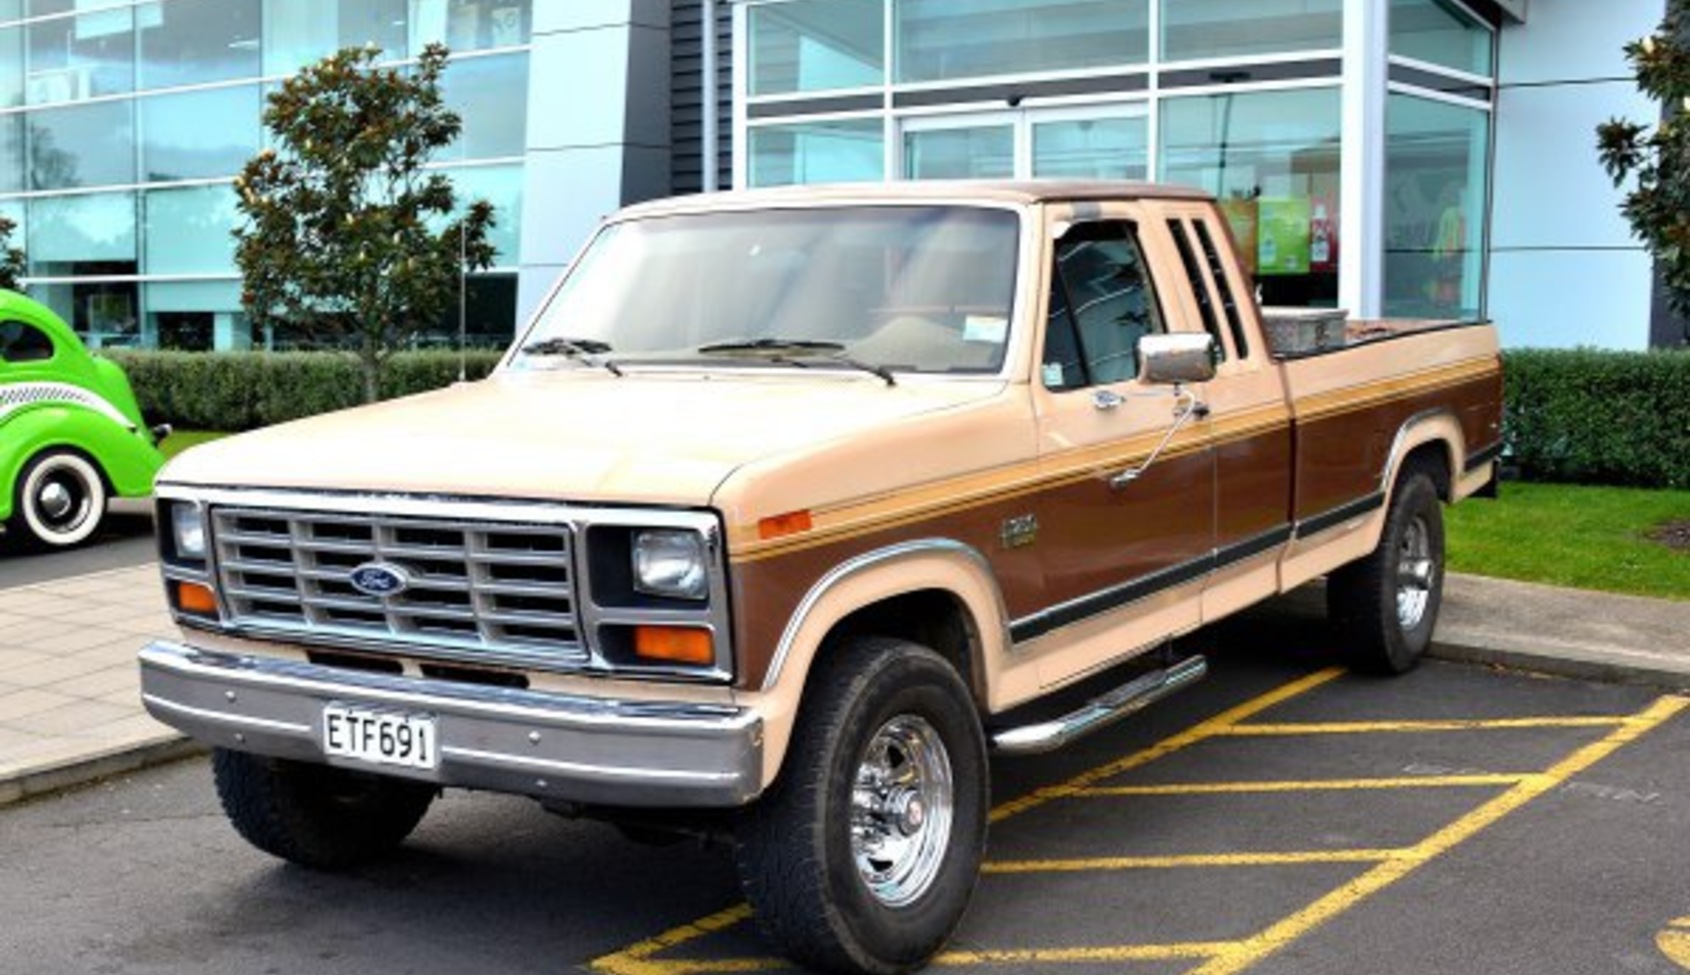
point(1282, 246)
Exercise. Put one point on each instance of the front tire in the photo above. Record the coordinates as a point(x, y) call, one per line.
point(317, 816)
point(1385, 605)
point(60, 500)
point(863, 855)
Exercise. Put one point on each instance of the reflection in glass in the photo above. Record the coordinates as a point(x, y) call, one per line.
point(1436, 180)
point(71, 235)
point(469, 25)
point(76, 58)
point(1272, 160)
point(186, 42)
point(942, 39)
point(198, 134)
point(489, 320)
point(1105, 148)
point(848, 150)
point(1439, 32)
point(187, 230)
point(1233, 28)
point(11, 67)
point(82, 145)
point(11, 153)
point(490, 94)
point(299, 32)
point(194, 316)
point(502, 187)
point(980, 152)
point(816, 45)
point(101, 312)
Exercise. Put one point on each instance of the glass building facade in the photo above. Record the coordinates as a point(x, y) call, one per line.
point(123, 125)
point(1244, 98)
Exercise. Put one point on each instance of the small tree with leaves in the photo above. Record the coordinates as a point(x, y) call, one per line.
point(347, 238)
point(1658, 208)
point(11, 258)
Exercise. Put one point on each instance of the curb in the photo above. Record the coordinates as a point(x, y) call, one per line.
point(91, 768)
point(1650, 671)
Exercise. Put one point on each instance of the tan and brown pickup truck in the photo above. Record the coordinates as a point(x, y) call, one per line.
point(776, 514)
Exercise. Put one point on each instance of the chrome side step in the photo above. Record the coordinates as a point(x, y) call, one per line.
point(1100, 712)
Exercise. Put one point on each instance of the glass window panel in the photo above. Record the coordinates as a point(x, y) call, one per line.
point(1438, 32)
point(502, 187)
point(76, 58)
point(300, 32)
point(816, 45)
point(187, 230)
point(848, 150)
point(469, 25)
point(1233, 28)
point(90, 233)
point(199, 134)
point(984, 152)
point(11, 153)
point(11, 67)
point(10, 10)
point(1105, 148)
point(1272, 160)
point(194, 316)
point(489, 320)
point(101, 312)
point(43, 8)
point(17, 211)
point(1436, 180)
point(81, 145)
point(491, 94)
point(943, 39)
point(1110, 299)
point(187, 42)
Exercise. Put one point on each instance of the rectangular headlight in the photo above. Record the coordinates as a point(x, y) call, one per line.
point(671, 563)
point(187, 531)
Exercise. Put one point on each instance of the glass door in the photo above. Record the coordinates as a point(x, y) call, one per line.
point(1080, 142)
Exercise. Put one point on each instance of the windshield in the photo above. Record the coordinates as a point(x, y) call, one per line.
point(904, 288)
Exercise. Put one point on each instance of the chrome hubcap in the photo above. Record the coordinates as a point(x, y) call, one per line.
point(1415, 574)
point(901, 810)
point(55, 500)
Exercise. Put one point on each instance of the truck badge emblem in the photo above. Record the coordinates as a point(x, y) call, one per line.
point(379, 579)
point(1020, 531)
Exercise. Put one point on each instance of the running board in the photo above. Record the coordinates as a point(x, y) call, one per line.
point(1100, 712)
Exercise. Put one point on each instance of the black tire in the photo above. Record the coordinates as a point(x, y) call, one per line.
point(1385, 605)
point(317, 816)
point(795, 850)
point(59, 500)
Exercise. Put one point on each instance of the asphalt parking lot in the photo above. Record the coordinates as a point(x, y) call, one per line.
point(1281, 817)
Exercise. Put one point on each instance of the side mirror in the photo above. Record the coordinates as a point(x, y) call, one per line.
point(1176, 357)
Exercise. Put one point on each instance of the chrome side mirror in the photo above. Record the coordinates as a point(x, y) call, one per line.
point(1176, 357)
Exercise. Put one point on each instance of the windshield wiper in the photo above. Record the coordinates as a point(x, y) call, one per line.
point(588, 351)
point(787, 350)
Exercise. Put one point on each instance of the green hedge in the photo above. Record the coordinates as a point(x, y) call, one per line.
point(243, 390)
point(1595, 417)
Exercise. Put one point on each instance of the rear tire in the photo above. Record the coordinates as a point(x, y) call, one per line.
point(317, 816)
point(863, 855)
point(1385, 604)
point(59, 501)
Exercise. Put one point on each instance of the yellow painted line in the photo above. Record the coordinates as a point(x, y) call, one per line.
point(1241, 955)
point(1069, 956)
point(1674, 942)
point(636, 958)
point(1416, 727)
point(1217, 725)
point(1311, 785)
point(1292, 858)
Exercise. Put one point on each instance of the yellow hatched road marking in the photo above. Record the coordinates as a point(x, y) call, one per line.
point(1415, 727)
point(1058, 956)
point(1241, 955)
point(1310, 785)
point(1291, 858)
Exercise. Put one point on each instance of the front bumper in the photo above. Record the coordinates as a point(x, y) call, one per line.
point(551, 746)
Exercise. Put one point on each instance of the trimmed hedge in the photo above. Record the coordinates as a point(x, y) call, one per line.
point(1595, 417)
point(236, 391)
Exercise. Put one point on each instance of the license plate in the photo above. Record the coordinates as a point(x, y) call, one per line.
point(381, 737)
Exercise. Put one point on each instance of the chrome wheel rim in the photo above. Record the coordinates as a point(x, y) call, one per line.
point(1415, 574)
point(62, 501)
point(901, 810)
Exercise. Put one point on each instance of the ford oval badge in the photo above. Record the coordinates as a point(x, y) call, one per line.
point(379, 579)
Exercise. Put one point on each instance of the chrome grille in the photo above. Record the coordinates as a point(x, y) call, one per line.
point(494, 591)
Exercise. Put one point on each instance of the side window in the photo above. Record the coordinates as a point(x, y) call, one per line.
point(22, 342)
point(1199, 290)
point(1229, 304)
point(1102, 303)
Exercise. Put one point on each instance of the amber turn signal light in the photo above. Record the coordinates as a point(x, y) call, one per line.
point(679, 644)
point(191, 597)
point(790, 523)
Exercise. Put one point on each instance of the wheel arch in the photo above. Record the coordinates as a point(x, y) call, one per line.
point(1430, 441)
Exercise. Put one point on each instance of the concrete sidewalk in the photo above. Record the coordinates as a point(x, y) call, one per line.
point(70, 707)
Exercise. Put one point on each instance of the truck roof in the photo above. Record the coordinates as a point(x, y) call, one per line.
point(1026, 191)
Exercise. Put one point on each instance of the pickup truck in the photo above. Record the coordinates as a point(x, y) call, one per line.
point(776, 515)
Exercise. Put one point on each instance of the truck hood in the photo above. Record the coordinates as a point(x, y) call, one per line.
point(566, 436)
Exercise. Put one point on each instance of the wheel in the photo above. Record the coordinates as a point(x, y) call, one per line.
point(317, 816)
point(60, 499)
point(1386, 604)
point(863, 855)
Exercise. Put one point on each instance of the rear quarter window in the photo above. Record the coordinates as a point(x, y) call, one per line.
point(23, 342)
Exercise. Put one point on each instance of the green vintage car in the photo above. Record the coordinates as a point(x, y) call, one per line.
point(71, 434)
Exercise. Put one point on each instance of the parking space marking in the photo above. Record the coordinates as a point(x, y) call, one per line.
point(1674, 942)
point(1385, 866)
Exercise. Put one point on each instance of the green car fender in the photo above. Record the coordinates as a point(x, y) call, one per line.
point(126, 456)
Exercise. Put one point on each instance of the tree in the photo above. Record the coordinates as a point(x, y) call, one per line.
point(347, 238)
point(11, 258)
point(1658, 208)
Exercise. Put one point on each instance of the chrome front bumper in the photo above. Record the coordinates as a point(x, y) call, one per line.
point(551, 746)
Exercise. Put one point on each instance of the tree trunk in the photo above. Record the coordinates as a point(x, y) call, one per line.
point(370, 364)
